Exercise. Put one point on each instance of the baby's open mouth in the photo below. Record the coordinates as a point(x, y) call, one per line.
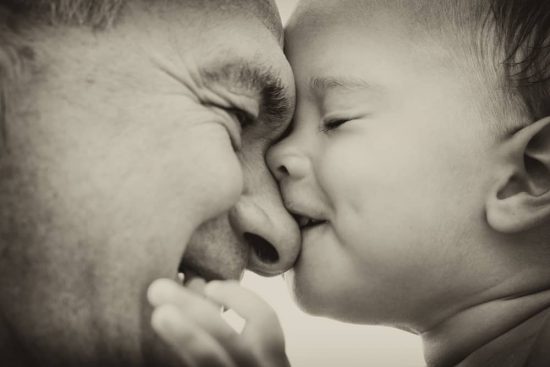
point(305, 222)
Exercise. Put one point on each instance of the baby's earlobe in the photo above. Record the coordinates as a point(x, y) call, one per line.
point(520, 199)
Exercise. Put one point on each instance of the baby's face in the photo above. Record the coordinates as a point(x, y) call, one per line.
point(388, 154)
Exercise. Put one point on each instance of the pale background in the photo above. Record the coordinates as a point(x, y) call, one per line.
point(318, 342)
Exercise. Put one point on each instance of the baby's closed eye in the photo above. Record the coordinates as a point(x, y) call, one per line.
point(331, 124)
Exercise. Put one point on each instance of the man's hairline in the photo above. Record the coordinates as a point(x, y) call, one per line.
point(14, 67)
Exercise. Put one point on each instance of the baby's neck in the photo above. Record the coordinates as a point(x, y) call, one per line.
point(505, 331)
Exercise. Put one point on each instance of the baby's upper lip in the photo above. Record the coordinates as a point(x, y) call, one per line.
point(305, 217)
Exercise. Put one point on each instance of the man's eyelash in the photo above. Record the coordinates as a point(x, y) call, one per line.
point(244, 118)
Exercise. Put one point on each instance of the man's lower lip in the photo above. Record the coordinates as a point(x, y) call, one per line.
point(191, 271)
point(186, 275)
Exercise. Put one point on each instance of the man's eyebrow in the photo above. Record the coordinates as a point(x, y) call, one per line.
point(275, 102)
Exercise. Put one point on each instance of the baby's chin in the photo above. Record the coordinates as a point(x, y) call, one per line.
point(312, 297)
point(319, 295)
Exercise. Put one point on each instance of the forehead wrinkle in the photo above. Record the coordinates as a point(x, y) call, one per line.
point(240, 73)
point(275, 104)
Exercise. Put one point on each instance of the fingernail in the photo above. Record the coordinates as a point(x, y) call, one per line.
point(181, 278)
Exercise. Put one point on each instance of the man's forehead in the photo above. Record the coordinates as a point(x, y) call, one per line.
point(269, 14)
point(103, 13)
point(265, 10)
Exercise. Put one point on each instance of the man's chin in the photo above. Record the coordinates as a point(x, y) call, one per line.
point(153, 351)
point(156, 353)
point(215, 252)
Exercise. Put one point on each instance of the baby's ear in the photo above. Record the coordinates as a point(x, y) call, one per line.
point(520, 199)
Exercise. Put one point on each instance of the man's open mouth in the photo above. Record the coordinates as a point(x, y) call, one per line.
point(191, 270)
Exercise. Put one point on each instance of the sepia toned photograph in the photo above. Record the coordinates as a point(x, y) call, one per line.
point(275, 183)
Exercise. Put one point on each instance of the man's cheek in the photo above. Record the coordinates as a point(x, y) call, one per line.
point(216, 171)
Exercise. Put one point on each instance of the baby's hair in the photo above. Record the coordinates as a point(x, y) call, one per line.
point(505, 44)
point(522, 29)
point(509, 39)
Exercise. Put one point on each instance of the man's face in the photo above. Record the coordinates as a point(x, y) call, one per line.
point(389, 155)
point(129, 141)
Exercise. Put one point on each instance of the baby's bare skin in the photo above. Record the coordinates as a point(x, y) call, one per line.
point(188, 318)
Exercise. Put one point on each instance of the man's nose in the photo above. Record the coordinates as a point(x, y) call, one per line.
point(265, 225)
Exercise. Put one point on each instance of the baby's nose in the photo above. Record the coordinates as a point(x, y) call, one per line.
point(285, 160)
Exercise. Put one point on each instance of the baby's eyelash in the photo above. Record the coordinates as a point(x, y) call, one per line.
point(332, 124)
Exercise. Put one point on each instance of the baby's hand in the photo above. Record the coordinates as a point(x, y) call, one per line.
point(191, 324)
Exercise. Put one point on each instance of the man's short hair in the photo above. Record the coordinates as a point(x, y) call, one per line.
point(82, 12)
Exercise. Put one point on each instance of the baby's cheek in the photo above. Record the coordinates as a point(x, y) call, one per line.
point(344, 177)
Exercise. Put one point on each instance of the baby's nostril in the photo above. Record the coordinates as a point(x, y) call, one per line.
point(283, 170)
point(263, 249)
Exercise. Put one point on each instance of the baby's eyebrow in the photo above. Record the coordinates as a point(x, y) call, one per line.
point(322, 84)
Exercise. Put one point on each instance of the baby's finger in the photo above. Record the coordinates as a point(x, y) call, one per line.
point(203, 313)
point(169, 291)
point(196, 307)
point(192, 344)
point(258, 314)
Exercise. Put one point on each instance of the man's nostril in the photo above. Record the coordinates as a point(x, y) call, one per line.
point(263, 249)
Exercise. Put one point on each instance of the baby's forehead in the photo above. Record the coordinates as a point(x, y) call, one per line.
point(379, 43)
point(327, 10)
point(353, 17)
point(334, 23)
point(428, 28)
point(435, 15)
